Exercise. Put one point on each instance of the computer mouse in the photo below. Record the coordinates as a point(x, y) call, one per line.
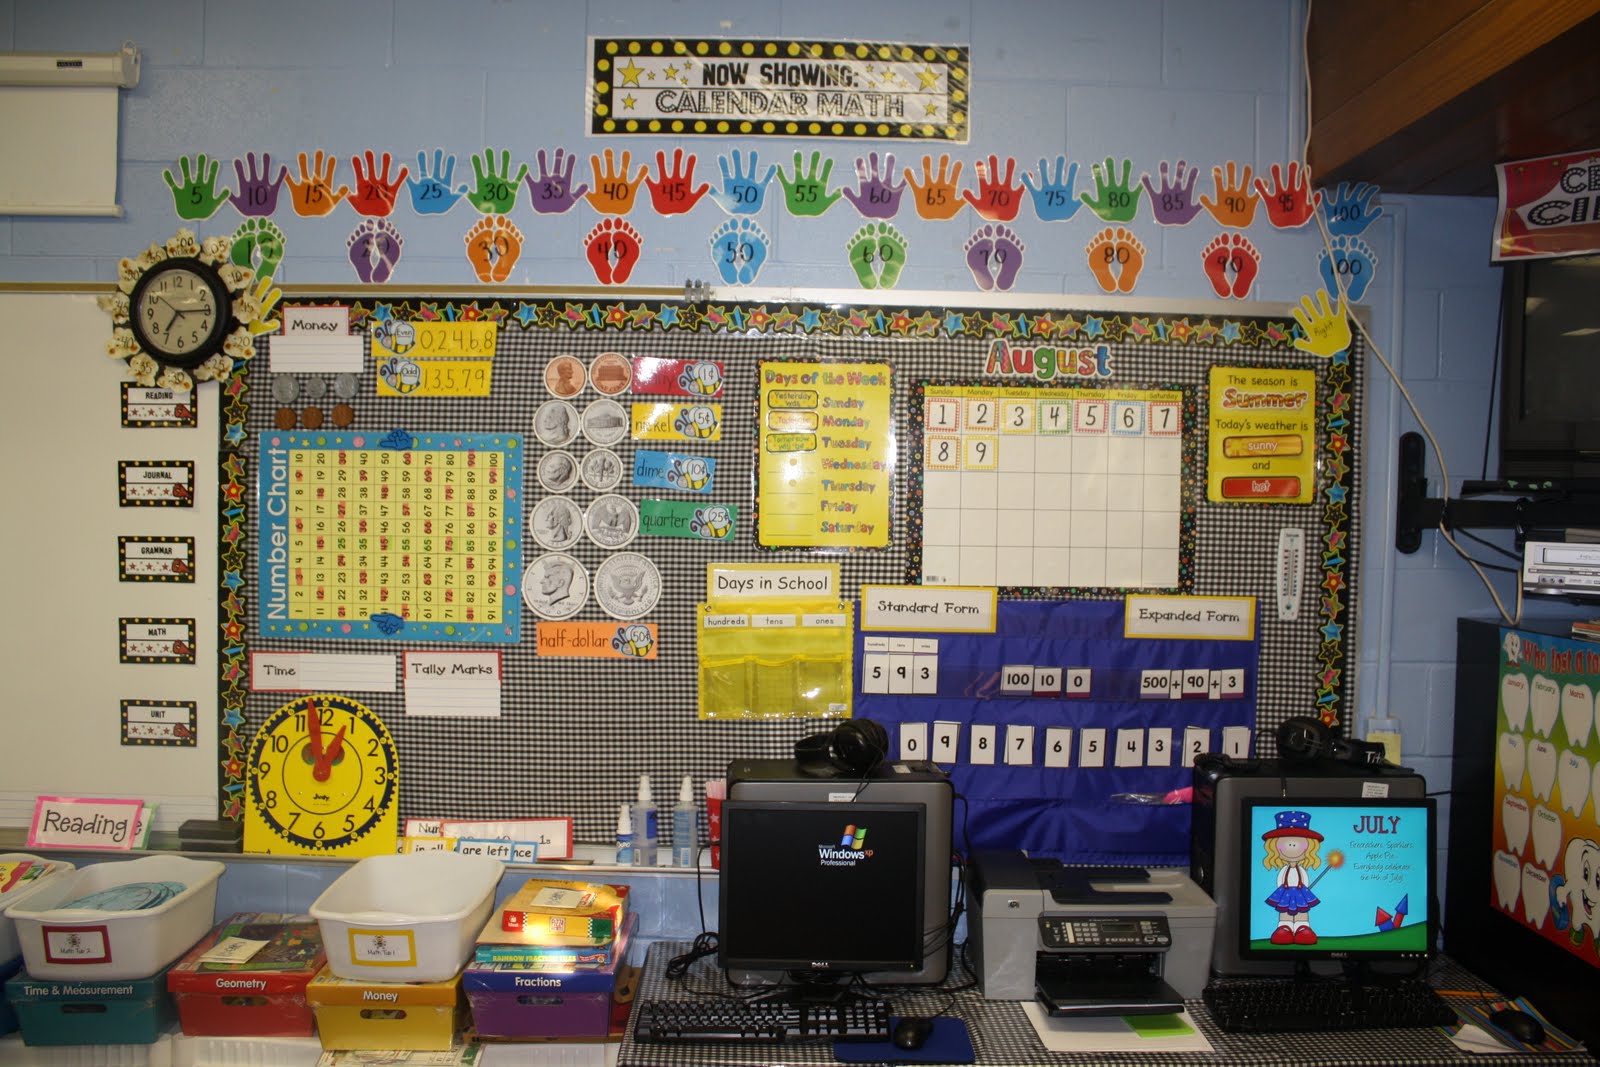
point(911, 1031)
point(1519, 1024)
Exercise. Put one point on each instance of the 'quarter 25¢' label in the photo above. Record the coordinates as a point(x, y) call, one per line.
point(687, 518)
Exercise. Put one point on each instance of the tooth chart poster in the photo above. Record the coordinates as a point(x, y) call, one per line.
point(1547, 784)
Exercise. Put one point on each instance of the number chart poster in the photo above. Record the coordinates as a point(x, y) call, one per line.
point(1062, 486)
point(1547, 790)
point(397, 538)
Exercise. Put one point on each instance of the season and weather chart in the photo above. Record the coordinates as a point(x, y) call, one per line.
point(390, 537)
point(1042, 487)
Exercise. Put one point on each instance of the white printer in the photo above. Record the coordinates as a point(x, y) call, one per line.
point(1088, 940)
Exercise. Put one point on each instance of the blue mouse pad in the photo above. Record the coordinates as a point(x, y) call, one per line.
point(948, 1043)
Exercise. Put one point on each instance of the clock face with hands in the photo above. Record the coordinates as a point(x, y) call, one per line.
point(323, 779)
point(181, 312)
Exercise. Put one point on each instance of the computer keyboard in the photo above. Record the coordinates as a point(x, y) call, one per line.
point(1269, 1005)
point(856, 1019)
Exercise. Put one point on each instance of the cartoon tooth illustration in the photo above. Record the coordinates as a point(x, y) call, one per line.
point(1575, 892)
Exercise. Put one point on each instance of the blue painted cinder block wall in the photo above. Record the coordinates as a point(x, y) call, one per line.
point(1149, 80)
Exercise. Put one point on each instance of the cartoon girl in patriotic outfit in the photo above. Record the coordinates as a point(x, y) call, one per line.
point(1292, 849)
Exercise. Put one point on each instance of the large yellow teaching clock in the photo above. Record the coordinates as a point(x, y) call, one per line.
point(323, 779)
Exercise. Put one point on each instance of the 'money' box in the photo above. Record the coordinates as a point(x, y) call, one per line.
point(360, 1014)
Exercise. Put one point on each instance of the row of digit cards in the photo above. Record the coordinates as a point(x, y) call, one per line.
point(1063, 746)
point(909, 666)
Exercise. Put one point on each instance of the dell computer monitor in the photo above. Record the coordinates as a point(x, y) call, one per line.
point(822, 890)
point(1337, 879)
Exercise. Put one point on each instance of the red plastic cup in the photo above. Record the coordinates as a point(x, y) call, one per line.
point(714, 830)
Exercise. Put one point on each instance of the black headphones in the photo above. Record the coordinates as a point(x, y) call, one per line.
point(855, 746)
point(1302, 739)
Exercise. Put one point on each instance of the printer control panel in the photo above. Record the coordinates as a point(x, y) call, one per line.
point(1066, 933)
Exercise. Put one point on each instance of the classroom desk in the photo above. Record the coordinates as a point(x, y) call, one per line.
point(1002, 1036)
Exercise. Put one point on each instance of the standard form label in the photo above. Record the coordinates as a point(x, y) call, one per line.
point(957, 609)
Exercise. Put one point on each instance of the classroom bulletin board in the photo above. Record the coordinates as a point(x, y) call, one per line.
point(562, 473)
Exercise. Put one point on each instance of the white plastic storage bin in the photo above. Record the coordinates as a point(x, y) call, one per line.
point(10, 948)
point(406, 918)
point(92, 945)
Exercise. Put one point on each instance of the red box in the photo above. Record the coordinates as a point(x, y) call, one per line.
point(264, 996)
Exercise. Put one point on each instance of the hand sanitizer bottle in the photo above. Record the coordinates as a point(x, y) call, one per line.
point(624, 835)
point(684, 837)
point(645, 825)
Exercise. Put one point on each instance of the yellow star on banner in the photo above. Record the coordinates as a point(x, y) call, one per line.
point(629, 103)
point(930, 109)
point(671, 72)
point(929, 77)
point(630, 74)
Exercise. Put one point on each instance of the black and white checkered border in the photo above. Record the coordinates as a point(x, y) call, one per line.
point(575, 734)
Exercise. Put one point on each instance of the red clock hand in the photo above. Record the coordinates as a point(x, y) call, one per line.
point(324, 765)
point(314, 721)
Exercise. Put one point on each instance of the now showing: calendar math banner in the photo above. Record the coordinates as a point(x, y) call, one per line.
point(778, 88)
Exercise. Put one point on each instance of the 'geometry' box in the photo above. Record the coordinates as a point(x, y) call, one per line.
point(262, 994)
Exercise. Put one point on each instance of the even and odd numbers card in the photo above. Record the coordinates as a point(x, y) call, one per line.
point(397, 537)
point(1045, 488)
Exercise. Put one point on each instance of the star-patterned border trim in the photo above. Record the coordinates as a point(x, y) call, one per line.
point(1329, 681)
point(609, 81)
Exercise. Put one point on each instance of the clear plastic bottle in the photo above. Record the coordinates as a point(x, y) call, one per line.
point(624, 834)
point(646, 825)
point(684, 835)
point(1385, 730)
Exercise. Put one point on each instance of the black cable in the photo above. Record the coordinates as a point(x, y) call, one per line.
point(1494, 375)
point(1489, 544)
point(704, 944)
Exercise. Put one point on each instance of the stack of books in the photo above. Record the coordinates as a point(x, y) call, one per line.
point(550, 963)
point(555, 926)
